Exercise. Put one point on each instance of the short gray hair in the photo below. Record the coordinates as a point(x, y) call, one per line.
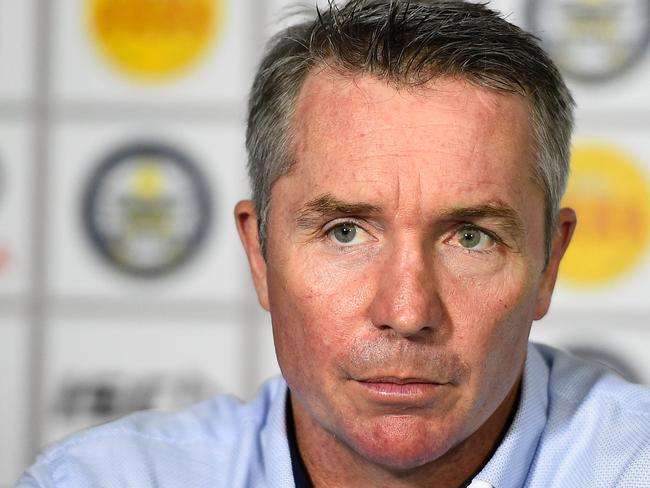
point(408, 42)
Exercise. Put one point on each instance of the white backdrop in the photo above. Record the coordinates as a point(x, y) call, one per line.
point(82, 341)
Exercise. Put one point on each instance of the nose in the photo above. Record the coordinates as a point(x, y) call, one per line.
point(407, 299)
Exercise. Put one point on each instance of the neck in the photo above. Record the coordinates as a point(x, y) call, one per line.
point(331, 463)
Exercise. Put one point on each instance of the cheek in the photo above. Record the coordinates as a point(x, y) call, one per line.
point(327, 294)
point(316, 310)
point(491, 315)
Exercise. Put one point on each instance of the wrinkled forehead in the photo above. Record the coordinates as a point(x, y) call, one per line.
point(447, 131)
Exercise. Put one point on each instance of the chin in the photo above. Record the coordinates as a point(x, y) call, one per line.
point(400, 443)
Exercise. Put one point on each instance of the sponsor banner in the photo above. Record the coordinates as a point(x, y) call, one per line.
point(136, 51)
point(146, 212)
point(146, 208)
point(102, 368)
point(17, 41)
point(13, 391)
point(607, 265)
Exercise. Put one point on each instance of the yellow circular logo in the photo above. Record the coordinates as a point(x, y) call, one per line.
point(611, 196)
point(154, 39)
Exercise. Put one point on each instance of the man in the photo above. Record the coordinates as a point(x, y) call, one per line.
point(407, 160)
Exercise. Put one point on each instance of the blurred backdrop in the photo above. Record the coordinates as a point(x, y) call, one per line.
point(122, 281)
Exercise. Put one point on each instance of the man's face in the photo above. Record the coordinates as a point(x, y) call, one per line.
point(405, 262)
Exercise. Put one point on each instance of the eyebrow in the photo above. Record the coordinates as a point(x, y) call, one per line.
point(327, 205)
point(506, 216)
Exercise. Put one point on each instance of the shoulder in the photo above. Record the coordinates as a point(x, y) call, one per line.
point(598, 424)
point(576, 383)
point(158, 448)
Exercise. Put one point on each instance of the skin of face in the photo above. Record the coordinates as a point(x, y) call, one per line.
point(405, 265)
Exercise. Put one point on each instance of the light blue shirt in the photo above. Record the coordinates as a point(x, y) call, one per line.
point(577, 425)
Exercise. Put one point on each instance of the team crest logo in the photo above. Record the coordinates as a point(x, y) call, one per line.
point(592, 40)
point(153, 39)
point(147, 209)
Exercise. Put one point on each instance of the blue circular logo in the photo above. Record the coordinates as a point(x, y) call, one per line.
point(147, 209)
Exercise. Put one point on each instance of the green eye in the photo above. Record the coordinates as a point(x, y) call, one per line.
point(345, 233)
point(471, 238)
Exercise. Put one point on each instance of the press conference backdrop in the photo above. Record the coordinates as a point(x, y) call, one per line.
point(122, 281)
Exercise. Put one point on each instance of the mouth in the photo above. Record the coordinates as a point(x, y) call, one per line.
point(400, 391)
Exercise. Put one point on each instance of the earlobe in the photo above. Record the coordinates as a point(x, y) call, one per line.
point(246, 220)
point(564, 231)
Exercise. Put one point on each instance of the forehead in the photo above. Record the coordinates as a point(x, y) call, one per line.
point(447, 136)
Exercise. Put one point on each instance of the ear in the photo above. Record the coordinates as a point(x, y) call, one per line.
point(246, 220)
point(566, 225)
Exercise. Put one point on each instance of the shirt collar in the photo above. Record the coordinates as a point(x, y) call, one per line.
point(300, 476)
point(276, 459)
point(511, 462)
